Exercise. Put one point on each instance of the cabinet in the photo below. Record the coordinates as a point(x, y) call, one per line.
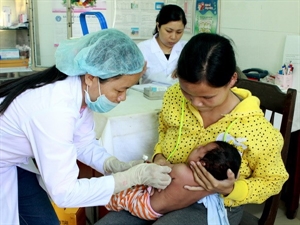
point(15, 35)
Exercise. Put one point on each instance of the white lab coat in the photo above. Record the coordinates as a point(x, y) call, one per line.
point(159, 68)
point(45, 124)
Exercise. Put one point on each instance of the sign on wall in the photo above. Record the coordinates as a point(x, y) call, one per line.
point(206, 16)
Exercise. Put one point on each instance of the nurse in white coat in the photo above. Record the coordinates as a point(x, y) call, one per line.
point(163, 50)
point(48, 116)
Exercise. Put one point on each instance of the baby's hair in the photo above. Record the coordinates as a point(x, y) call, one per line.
point(223, 157)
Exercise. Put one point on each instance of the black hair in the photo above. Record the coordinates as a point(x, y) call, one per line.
point(11, 89)
point(169, 13)
point(218, 160)
point(207, 58)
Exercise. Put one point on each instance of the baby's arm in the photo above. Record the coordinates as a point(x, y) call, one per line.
point(175, 196)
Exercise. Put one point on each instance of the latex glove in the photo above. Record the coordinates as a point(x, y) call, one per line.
point(113, 165)
point(149, 174)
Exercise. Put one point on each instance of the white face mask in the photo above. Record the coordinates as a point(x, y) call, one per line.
point(102, 104)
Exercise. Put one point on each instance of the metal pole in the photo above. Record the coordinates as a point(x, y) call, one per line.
point(69, 19)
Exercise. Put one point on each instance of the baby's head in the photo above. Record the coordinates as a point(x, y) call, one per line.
point(217, 157)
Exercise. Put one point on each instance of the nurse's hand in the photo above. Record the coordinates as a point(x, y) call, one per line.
point(146, 173)
point(207, 182)
point(113, 165)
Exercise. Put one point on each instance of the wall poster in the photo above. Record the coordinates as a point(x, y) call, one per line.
point(136, 18)
point(188, 8)
point(206, 16)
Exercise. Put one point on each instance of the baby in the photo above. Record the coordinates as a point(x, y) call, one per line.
point(149, 204)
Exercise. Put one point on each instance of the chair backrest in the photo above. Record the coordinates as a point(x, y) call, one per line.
point(275, 101)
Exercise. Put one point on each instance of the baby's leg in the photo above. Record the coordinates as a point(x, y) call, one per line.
point(134, 200)
point(175, 196)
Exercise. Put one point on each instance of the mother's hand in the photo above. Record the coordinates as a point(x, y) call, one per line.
point(207, 182)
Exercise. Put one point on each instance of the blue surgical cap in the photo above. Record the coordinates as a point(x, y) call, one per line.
point(106, 53)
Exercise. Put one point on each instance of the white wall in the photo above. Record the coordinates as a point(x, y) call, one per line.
point(257, 27)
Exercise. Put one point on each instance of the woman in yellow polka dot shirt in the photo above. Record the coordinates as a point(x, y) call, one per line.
point(210, 108)
point(203, 107)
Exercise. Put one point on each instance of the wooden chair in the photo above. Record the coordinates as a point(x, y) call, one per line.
point(276, 101)
point(291, 193)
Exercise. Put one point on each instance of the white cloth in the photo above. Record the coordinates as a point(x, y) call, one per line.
point(159, 68)
point(45, 124)
point(216, 212)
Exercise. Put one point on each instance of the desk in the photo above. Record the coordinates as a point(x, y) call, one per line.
point(130, 130)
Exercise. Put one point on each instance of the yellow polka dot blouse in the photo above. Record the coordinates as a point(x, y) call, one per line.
point(262, 172)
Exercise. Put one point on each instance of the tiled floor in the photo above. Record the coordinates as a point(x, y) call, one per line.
point(280, 219)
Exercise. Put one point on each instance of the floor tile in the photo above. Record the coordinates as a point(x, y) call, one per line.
point(280, 218)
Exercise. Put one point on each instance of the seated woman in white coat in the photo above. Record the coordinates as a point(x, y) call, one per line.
point(163, 50)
